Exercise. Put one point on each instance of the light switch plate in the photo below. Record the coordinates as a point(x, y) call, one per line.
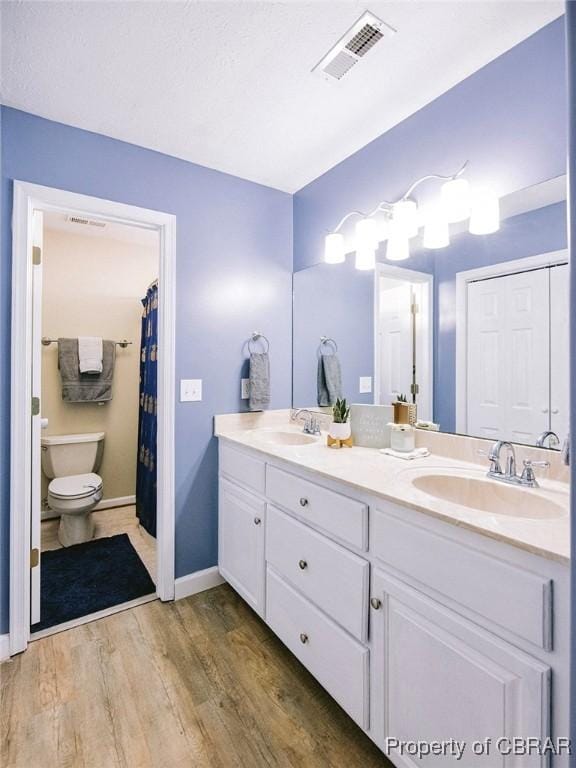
point(365, 384)
point(245, 389)
point(190, 390)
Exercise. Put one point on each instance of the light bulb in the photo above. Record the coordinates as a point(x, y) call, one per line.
point(436, 231)
point(485, 216)
point(405, 218)
point(456, 200)
point(334, 248)
point(365, 258)
point(398, 248)
point(366, 234)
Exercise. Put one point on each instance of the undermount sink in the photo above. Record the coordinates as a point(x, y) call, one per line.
point(489, 496)
point(277, 437)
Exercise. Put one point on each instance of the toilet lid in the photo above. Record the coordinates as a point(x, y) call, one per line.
point(75, 486)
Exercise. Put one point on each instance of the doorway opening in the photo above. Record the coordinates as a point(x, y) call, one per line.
point(403, 337)
point(92, 512)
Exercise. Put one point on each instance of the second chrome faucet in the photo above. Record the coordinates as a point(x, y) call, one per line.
point(508, 475)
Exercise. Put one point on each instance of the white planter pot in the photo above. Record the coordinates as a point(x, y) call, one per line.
point(340, 431)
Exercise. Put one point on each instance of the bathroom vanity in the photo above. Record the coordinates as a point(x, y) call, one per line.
point(428, 607)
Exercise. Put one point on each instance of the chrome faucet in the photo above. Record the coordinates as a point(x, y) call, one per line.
point(552, 436)
point(311, 422)
point(526, 479)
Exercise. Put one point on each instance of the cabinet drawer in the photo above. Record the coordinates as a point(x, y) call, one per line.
point(336, 660)
point(510, 597)
point(333, 578)
point(242, 467)
point(343, 518)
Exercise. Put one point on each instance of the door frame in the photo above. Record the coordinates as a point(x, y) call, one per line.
point(527, 264)
point(26, 198)
point(412, 276)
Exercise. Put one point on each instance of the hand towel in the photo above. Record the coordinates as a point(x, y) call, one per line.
point(329, 380)
point(85, 387)
point(259, 381)
point(417, 453)
point(90, 354)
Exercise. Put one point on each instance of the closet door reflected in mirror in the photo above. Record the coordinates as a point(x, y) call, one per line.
point(517, 355)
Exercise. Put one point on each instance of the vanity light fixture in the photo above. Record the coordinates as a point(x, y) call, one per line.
point(365, 258)
point(398, 248)
point(334, 248)
point(400, 220)
point(485, 216)
point(436, 230)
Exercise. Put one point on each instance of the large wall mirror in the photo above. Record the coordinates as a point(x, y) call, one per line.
point(475, 334)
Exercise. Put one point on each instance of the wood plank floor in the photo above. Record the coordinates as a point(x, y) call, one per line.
point(198, 683)
point(109, 522)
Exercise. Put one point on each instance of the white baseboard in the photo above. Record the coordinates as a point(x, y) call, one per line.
point(197, 582)
point(121, 501)
point(4, 647)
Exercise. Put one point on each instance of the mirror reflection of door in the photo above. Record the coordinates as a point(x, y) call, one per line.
point(403, 339)
point(517, 355)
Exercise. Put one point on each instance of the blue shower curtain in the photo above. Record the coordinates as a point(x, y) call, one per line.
point(147, 422)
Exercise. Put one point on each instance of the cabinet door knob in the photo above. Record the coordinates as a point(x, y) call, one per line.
point(257, 521)
point(303, 638)
point(303, 502)
point(303, 564)
point(376, 603)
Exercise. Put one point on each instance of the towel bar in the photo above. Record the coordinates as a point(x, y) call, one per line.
point(255, 336)
point(46, 342)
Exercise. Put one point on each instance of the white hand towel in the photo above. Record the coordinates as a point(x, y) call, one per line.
point(417, 453)
point(90, 354)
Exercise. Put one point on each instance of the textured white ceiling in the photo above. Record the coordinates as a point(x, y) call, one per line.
point(228, 84)
point(58, 222)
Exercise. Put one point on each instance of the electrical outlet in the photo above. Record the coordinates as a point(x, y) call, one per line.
point(365, 384)
point(245, 389)
point(190, 390)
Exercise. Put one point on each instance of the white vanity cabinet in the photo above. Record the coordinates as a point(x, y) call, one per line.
point(420, 629)
point(437, 676)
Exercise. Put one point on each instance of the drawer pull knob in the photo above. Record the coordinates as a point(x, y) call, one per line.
point(303, 638)
point(257, 521)
point(376, 603)
point(303, 565)
point(303, 502)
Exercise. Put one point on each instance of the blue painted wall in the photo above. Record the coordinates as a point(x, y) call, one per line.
point(335, 301)
point(234, 274)
point(504, 119)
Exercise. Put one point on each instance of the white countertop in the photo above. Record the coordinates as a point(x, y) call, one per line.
point(389, 478)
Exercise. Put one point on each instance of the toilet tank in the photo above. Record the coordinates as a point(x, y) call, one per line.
point(64, 455)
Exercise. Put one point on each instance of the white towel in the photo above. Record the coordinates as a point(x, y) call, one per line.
point(417, 453)
point(90, 354)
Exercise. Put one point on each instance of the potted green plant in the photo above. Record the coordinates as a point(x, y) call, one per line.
point(404, 412)
point(340, 426)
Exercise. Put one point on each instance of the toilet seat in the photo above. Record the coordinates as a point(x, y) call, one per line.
point(75, 486)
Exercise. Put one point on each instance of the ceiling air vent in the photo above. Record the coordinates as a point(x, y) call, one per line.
point(86, 222)
point(358, 40)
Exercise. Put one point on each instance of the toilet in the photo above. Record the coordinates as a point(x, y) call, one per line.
point(71, 462)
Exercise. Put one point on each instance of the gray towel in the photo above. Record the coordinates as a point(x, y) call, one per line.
point(259, 381)
point(329, 379)
point(85, 387)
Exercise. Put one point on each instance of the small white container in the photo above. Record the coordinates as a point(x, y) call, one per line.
point(402, 437)
point(340, 431)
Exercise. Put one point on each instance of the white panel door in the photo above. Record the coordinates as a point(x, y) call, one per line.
point(508, 357)
point(241, 543)
point(395, 342)
point(36, 468)
point(435, 677)
point(559, 350)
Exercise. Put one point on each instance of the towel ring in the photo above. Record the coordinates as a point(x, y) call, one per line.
point(257, 336)
point(326, 340)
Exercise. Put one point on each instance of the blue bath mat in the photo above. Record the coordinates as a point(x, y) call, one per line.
point(90, 577)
